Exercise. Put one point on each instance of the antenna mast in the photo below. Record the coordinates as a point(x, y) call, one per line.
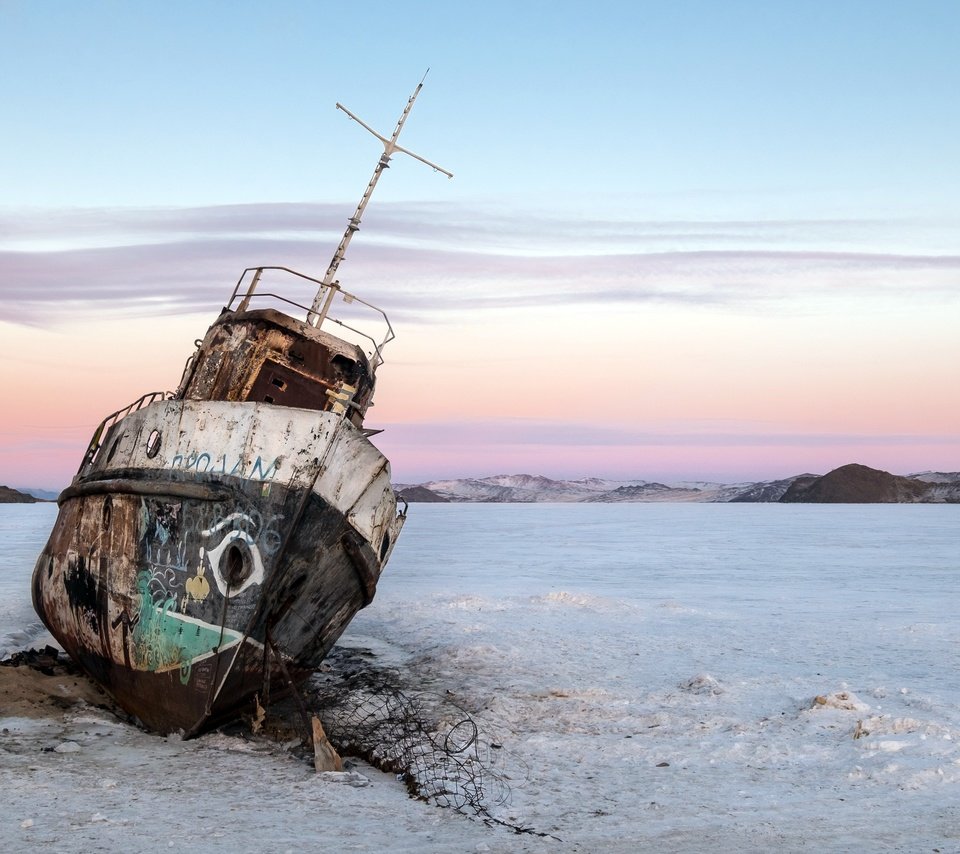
point(329, 287)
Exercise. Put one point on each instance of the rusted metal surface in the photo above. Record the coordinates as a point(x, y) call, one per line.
point(197, 527)
point(266, 356)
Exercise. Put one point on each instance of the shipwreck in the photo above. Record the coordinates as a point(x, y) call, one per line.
point(217, 539)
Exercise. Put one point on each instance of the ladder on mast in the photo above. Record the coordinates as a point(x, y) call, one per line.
point(329, 287)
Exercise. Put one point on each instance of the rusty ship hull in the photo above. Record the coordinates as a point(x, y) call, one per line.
point(217, 540)
point(186, 582)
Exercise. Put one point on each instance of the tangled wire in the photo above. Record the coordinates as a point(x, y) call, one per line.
point(427, 740)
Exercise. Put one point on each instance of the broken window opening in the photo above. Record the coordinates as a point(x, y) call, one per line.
point(153, 444)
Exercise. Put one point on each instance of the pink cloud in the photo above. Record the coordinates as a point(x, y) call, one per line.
point(420, 260)
point(427, 451)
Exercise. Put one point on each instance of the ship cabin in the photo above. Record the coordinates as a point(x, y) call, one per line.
point(266, 355)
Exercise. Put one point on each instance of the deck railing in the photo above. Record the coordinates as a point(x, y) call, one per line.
point(247, 289)
point(96, 442)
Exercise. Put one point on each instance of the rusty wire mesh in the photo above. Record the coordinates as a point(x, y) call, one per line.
point(435, 746)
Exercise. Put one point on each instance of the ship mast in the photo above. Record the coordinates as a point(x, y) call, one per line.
point(328, 289)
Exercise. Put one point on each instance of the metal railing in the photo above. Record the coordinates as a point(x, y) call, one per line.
point(108, 422)
point(246, 294)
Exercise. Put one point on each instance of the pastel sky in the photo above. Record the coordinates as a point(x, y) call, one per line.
point(685, 240)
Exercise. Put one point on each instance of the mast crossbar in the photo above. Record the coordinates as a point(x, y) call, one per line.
point(329, 287)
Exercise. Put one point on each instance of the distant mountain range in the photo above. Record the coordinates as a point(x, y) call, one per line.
point(42, 494)
point(16, 496)
point(849, 484)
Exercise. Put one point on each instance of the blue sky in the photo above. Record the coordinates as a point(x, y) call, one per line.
point(816, 107)
point(699, 225)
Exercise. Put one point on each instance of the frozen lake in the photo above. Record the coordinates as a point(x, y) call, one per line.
point(671, 677)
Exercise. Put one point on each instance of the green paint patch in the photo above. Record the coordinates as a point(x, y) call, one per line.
point(164, 639)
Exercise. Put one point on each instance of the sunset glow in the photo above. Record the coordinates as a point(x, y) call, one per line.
point(742, 273)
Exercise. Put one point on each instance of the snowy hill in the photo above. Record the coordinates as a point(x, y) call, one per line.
point(517, 488)
point(527, 488)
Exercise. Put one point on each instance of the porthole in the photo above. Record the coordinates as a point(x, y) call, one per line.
point(237, 564)
point(153, 444)
point(106, 513)
point(384, 547)
point(113, 447)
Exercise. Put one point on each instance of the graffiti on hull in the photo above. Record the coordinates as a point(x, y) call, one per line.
point(187, 550)
point(203, 462)
point(165, 639)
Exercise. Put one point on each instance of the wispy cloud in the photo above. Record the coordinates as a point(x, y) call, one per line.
point(544, 433)
point(689, 451)
point(418, 260)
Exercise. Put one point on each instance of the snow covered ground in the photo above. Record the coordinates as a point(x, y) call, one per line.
point(705, 677)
